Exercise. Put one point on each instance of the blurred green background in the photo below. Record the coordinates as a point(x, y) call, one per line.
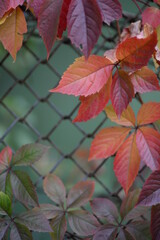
point(25, 81)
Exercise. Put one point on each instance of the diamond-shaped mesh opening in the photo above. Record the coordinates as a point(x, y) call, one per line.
point(30, 113)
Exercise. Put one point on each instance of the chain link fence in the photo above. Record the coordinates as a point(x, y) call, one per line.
point(29, 113)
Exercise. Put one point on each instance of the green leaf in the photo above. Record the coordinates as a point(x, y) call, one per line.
point(29, 154)
point(23, 188)
point(82, 222)
point(5, 203)
point(34, 220)
point(20, 232)
point(59, 226)
point(55, 189)
point(140, 230)
point(8, 186)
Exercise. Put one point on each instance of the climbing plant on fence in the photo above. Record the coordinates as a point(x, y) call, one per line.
point(123, 73)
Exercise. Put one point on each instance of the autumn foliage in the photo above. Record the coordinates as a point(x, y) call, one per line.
point(123, 73)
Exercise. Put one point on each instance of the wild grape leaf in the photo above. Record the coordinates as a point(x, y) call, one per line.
point(110, 10)
point(20, 232)
point(157, 1)
point(139, 229)
point(122, 91)
point(148, 113)
point(29, 154)
point(80, 194)
point(84, 78)
point(144, 80)
point(104, 208)
point(155, 222)
point(12, 30)
point(5, 158)
point(82, 222)
point(5, 203)
point(63, 18)
point(50, 211)
point(59, 226)
point(129, 202)
point(55, 189)
point(23, 188)
point(127, 117)
point(151, 15)
point(148, 144)
point(127, 162)
point(6, 5)
point(3, 228)
point(107, 232)
point(125, 235)
point(84, 24)
point(48, 13)
point(107, 142)
point(92, 105)
point(135, 53)
point(34, 220)
point(150, 193)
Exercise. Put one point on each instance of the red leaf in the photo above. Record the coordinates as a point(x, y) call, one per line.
point(48, 13)
point(110, 10)
point(148, 113)
point(135, 53)
point(111, 55)
point(155, 222)
point(80, 194)
point(107, 142)
point(11, 31)
point(85, 77)
point(157, 1)
point(121, 91)
point(6, 5)
point(5, 158)
point(126, 163)
point(151, 15)
point(127, 117)
point(148, 143)
point(54, 188)
point(63, 18)
point(92, 105)
point(150, 193)
point(84, 24)
point(144, 80)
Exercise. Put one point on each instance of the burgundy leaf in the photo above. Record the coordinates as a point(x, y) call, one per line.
point(82, 222)
point(20, 232)
point(5, 158)
point(155, 222)
point(84, 23)
point(110, 10)
point(103, 207)
point(59, 226)
point(150, 194)
point(8, 4)
point(55, 189)
point(50, 211)
point(107, 232)
point(80, 194)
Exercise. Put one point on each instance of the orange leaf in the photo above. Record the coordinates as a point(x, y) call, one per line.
point(11, 32)
point(144, 80)
point(127, 118)
point(135, 53)
point(85, 77)
point(126, 163)
point(92, 105)
point(148, 143)
point(121, 91)
point(148, 113)
point(107, 142)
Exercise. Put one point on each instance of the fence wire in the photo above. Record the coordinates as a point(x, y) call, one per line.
point(16, 81)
